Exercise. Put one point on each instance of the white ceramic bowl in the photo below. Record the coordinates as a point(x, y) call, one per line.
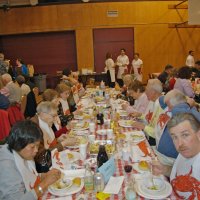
point(154, 185)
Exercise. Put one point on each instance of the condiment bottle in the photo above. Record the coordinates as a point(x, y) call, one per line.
point(100, 119)
point(88, 179)
point(102, 156)
point(99, 183)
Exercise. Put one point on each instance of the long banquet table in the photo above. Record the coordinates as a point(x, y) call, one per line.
point(144, 146)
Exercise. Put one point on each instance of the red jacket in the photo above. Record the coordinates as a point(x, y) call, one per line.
point(4, 124)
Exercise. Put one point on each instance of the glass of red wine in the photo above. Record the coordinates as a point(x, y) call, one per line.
point(128, 169)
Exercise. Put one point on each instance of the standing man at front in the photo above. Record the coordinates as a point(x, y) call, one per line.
point(122, 62)
point(190, 59)
point(137, 65)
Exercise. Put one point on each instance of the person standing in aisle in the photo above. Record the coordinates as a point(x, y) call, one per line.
point(122, 62)
point(137, 65)
point(190, 59)
point(110, 69)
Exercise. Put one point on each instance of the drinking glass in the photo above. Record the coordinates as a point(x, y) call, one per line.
point(127, 169)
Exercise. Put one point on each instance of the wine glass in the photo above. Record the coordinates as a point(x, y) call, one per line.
point(128, 169)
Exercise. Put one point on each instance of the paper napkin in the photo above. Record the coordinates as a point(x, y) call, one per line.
point(114, 185)
point(75, 173)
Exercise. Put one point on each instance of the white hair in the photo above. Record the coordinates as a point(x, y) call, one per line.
point(175, 97)
point(46, 107)
point(6, 78)
point(155, 84)
point(128, 78)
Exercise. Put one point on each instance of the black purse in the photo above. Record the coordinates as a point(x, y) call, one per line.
point(43, 161)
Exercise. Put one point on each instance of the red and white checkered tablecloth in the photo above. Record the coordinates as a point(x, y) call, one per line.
point(119, 172)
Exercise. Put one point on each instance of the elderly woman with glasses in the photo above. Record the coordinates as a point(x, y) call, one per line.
point(46, 113)
point(18, 176)
point(61, 120)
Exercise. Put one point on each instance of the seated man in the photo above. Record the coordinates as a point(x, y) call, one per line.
point(184, 129)
point(153, 92)
point(177, 103)
point(164, 77)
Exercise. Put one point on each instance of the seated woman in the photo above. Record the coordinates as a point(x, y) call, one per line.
point(79, 86)
point(137, 91)
point(128, 79)
point(63, 106)
point(46, 113)
point(91, 83)
point(24, 87)
point(18, 176)
point(183, 82)
point(61, 120)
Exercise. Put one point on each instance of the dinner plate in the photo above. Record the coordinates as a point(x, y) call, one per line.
point(136, 167)
point(81, 133)
point(69, 156)
point(122, 113)
point(66, 183)
point(81, 126)
point(157, 195)
point(83, 116)
point(69, 191)
point(126, 123)
point(135, 136)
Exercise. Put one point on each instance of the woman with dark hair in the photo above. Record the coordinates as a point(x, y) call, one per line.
point(18, 176)
point(183, 81)
point(110, 69)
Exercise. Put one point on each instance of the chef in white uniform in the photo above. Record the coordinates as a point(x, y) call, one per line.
point(137, 65)
point(122, 62)
point(190, 59)
point(110, 69)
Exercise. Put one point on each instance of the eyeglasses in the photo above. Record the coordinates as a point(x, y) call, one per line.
point(52, 115)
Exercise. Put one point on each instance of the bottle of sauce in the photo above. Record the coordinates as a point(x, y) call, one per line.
point(102, 156)
point(100, 119)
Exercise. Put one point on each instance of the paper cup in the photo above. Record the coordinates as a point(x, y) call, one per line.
point(92, 127)
point(90, 112)
point(109, 133)
point(91, 138)
point(83, 150)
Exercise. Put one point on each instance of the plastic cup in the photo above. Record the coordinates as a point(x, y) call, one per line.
point(92, 127)
point(110, 134)
point(91, 138)
point(83, 150)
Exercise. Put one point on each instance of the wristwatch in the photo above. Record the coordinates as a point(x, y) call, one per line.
point(40, 189)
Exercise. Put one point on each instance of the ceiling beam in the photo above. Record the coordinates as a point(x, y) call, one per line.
point(182, 25)
point(179, 5)
point(173, 6)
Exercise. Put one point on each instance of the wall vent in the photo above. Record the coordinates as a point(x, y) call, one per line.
point(112, 13)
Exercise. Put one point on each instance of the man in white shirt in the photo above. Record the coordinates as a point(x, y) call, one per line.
point(122, 62)
point(137, 65)
point(190, 59)
point(185, 174)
